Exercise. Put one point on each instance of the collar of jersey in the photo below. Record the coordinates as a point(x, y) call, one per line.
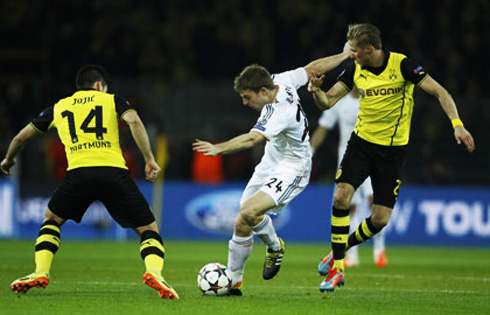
point(378, 70)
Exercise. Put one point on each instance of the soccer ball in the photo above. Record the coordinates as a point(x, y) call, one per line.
point(214, 279)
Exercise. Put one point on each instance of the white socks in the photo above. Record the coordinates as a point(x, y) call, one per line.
point(266, 232)
point(239, 249)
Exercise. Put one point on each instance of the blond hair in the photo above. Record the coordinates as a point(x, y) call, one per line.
point(364, 34)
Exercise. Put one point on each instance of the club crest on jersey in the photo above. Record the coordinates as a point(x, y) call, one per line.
point(393, 75)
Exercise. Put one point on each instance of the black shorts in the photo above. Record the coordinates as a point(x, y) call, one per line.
point(111, 185)
point(383, 164)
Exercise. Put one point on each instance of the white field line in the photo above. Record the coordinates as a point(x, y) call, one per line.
point(446, 291)
point(367, 275)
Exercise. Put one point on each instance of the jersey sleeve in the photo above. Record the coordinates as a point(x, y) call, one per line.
point(270, 122)
point(122, 105)
point(347, 76)
point(412, 71)
point(295, 78)
point(329, 118)
point(43, 122)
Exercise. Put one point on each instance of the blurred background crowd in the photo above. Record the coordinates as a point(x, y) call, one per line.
point(175, 61)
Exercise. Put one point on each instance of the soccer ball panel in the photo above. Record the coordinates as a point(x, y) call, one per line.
point(214, 279)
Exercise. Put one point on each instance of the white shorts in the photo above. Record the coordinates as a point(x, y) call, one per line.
point(281, 187)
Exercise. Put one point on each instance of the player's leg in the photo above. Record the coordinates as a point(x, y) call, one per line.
point(281, 188)
point(327, 262)
point(340, 223)
point(370, 226)
point(47, 244)
point(129, 208)
point(334, 262)
point(354, 169)
point(239, 249)
point(252, 219)
point(241, 244)
point(152, 252)
point(70, 201)
point(385, 176)
point(252, 212)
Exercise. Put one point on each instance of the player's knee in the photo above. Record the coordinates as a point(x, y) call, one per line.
point(249, 216)
point(50, 216)
point(341, 199)
point(380, 220)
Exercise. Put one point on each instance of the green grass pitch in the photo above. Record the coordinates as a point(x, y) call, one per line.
point(105, 278)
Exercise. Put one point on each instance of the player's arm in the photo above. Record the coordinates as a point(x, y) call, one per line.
point(16, 145)
point(326, 100)
point(432, 87)
point(140, 136)
point(237, 144)
point(322, 65)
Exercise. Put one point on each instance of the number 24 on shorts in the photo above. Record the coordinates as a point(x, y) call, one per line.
point(272, 182)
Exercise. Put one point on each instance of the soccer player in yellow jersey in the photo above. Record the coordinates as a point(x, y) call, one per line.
point(378, 146)
point(87, 124)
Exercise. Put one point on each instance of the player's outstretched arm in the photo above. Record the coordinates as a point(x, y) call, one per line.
point(17, 143)
point(432, 87)
point(322, 65)
point(326, 100)
point(237, 144)
point(142, 140)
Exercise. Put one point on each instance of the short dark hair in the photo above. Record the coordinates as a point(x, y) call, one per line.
point(253, 77)
point(89, 74)
point(364, 34)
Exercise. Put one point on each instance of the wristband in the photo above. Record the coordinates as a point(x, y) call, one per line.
point(456, 122)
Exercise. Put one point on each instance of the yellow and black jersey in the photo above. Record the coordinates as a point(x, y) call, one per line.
point(87, 124)
point(386, 98)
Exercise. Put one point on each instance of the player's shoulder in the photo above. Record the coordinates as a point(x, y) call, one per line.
point(397, 56)
point(106, 95)
point(294, 78)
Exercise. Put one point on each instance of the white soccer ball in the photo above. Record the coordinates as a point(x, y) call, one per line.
point(214, 279)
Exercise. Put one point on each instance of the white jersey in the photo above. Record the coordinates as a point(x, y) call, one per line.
point(284, 170)
point(344, 113)
point(285, 126)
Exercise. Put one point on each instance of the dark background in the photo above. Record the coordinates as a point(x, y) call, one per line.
point(175, 61)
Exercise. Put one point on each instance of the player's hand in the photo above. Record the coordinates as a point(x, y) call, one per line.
point(347, 49)
point(463, 135)
point(205, 147)
point(315, 83)
point(151, 170)
point(6, 165)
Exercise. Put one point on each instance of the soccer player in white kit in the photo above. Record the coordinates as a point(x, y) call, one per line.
point(345, 115)
point(284, 170)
